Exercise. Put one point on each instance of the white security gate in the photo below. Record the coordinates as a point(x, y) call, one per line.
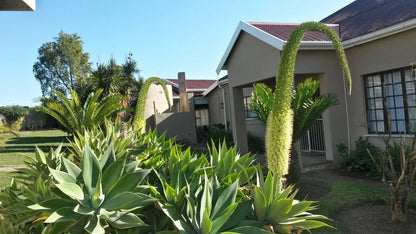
point(314, 140)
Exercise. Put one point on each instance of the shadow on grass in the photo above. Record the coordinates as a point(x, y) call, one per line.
point(26, 149)
point(37, 140)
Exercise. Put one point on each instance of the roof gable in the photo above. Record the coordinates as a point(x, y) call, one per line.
point(193, 84)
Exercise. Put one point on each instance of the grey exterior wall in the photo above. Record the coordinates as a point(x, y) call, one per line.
point(180, 125)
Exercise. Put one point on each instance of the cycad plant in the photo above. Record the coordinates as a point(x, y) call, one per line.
point(279, 128)
point(139, 122)
point(76, 116)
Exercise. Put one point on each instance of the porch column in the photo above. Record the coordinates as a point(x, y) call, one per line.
point(238, 119)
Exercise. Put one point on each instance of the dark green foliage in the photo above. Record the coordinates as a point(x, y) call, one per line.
point(13, 113)
point(78, 117)
point(255, 144)
point(217, 133)
point(262, 101)
point(61, 64)
point(359, 160)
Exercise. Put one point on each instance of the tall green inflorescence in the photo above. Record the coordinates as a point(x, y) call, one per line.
point(280, 121)
point(139, 121)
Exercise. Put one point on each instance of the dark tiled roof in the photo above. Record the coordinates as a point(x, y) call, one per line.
point(365, 16)
point(283, 31)
point(194, 84)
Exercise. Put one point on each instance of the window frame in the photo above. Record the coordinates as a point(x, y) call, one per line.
point(409, 128)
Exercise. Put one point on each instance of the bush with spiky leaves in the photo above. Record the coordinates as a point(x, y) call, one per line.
point(139, 121)
point(76, 116)
point(280, 121)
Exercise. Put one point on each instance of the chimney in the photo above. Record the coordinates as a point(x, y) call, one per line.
point(183, 96)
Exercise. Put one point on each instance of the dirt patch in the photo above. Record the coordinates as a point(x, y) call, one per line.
point(372, 219)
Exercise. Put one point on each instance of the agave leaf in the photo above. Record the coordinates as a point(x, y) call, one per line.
point(62, 177)
point(260, 204)
point(84, 210)
point(240, 213)
point(90, 168)
point(223, 218)
point(51, 205)
point(226, 198)
point(71, 168)
point(301, 207)
point(98, 196)
point(128, 182)
point(246, 230)
point(268, 188)
point(112, 174)
point(127, 200)
point(206, 224)
point(206, 200)
point(94, 226)
point(278, 210)
point(108, 157)
point(175, 216)
point(311, 224)
point(128, 220)
point(72, 190)
point(62, 215)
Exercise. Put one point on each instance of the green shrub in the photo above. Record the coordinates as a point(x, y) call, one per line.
point(217, 134)
point(358, 160)
point(255, 144)
point(13, 113)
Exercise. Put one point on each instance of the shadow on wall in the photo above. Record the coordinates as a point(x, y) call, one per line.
point(180, 125)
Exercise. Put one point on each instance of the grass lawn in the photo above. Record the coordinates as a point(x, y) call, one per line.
point(16, 148)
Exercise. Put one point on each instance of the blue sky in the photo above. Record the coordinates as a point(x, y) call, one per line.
point(165, 37)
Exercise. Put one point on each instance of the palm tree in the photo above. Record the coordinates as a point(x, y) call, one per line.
point(306, 107)
point(76, 116)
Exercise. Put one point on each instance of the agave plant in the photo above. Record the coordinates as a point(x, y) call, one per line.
point(78, 117)
point(278, 211)
point(139, 121)
point(101, 194)
point(229, 166)
point(210, 209)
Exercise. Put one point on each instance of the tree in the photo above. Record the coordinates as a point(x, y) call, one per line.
point(61, 64)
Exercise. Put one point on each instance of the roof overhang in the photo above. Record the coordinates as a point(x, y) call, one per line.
point(17, 5)
point(214, 85)
point(269, 39)
point(311, 45)
point(384, 32)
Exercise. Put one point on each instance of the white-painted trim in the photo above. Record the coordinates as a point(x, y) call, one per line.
point(213, 86)
point(312, 45)
point(269, 39)
point(31, 4)
point(384, 32)
point(387, 135)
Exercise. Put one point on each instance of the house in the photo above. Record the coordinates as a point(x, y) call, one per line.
point(379, 40)
point(17, 5)
point(189, 108)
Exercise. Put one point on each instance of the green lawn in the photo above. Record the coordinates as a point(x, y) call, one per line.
point(16, 148)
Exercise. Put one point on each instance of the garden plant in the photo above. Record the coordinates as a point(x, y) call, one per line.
point(121, 179)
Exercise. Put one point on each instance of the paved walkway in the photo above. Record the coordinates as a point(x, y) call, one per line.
point(9, 168)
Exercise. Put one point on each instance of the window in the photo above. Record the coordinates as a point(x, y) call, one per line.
point(391, 96)
point(248, 113)
point(201, 117)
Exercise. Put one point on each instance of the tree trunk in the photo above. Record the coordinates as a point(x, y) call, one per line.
point(399, 203)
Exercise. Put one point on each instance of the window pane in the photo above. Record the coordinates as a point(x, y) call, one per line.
point(411, 100)
point(377, 91)
point(376, 80)
point(380, 127)
point(379, 103)
point(370, 104)
point(408, 75)
point(412, 125)
point(410, 87)
point(399, 101)
point(379, 115)
point(401, 126)
point(412, 113)
point(400, 113)
point(372, 127)
point(388, 79)
point(370, 93)
point(392, 113)
point(398, 89)
point(393, 126)
point(389, 90)
point(369, 81)
point(390, 102)
point(397, 77)
point(371, 115)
